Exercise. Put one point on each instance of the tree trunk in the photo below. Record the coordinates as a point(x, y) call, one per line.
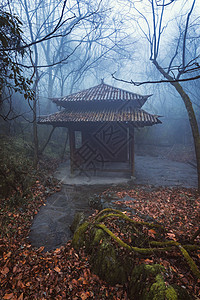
point(35, 135)
point(193, 124)
point(65, 144)
point(191, 115)
point(50, 135)
point(50, 90)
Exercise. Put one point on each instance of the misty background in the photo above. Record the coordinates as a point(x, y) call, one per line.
point(75, 44)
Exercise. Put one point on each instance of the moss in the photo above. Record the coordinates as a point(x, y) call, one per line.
point(107, 210)
point(142, 277)
point(147, 283)
point(191, 247)
point(79, 236)
point(153, 269)
point(98, 236)
point(157, 289)
point(118, 240)
point(186, 255)
point(167, 243)
point(106, 263)
point(190, 262)
point(144, 251)
point(170, 293)
point(105, 213)
point(122, 216)
point(79, 219)
point(173, 243)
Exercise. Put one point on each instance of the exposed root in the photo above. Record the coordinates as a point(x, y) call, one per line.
point(155, 246)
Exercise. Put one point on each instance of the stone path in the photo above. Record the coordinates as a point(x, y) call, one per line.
point(51, 227)
point(163, 172)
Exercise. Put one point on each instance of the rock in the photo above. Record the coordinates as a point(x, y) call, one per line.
point(105, 261)
point(114, 261)
point(148, 283)
point(79, 218)
point(95, 202)
point(79, 239)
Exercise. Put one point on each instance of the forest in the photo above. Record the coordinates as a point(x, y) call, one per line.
point(120, 239)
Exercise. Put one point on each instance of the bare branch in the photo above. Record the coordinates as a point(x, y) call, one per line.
point(160, 28)
point(174, 56)
point(184, 39)
point(164, 4)
point(154, 38)
point(52, 35)
point(138, 83)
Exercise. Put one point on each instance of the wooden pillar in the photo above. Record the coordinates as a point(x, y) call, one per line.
point(131, 150)
point(72, 148)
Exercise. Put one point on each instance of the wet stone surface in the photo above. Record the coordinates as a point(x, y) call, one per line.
point(51, 226)
point(163, 172)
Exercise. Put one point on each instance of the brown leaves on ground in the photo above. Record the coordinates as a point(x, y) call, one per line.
point(29, 273)
point(61, 274)
point(177, 209)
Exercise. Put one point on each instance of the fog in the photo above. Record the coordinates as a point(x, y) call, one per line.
point(71, 45)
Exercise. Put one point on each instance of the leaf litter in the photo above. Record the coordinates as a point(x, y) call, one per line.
point(30, 273)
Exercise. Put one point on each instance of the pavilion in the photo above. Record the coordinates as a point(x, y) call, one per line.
point(101, 122)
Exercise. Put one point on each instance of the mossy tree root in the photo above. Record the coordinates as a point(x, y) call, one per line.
point(106, 213)
point(173, 243)
point(146, 251)
point(101, 218)
point(190, 261)
point(158, 246)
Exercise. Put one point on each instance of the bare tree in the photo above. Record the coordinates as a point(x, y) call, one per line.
point(50, 26)
point(179, 66)
point(66, 40)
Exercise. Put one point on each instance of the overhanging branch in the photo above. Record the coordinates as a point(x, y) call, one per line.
point(138, 83)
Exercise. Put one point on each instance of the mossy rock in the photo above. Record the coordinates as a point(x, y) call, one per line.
point(79, 219)
point(147, 283)
point(105, 261)
point(79, 238)
point(114, 261)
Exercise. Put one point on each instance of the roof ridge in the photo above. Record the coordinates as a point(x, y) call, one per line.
point(95, 87)
point(144, 96)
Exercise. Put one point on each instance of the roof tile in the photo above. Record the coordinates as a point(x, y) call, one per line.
point(139, 117)
point(102, 92)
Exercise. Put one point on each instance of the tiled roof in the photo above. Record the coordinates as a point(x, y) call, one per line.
point(139, 117)
point(102, 92)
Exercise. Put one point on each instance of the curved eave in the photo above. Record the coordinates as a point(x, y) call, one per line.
point(101, 93)
point(139, 117)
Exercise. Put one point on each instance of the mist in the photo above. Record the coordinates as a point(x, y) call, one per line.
point(100, 149)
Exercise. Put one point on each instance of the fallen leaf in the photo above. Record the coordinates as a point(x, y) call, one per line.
point(57, 269)
point(21, 297)
point(84, 295)
point(7, 255)
point(151, 232)
point(5, 271)
point(8, 296)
